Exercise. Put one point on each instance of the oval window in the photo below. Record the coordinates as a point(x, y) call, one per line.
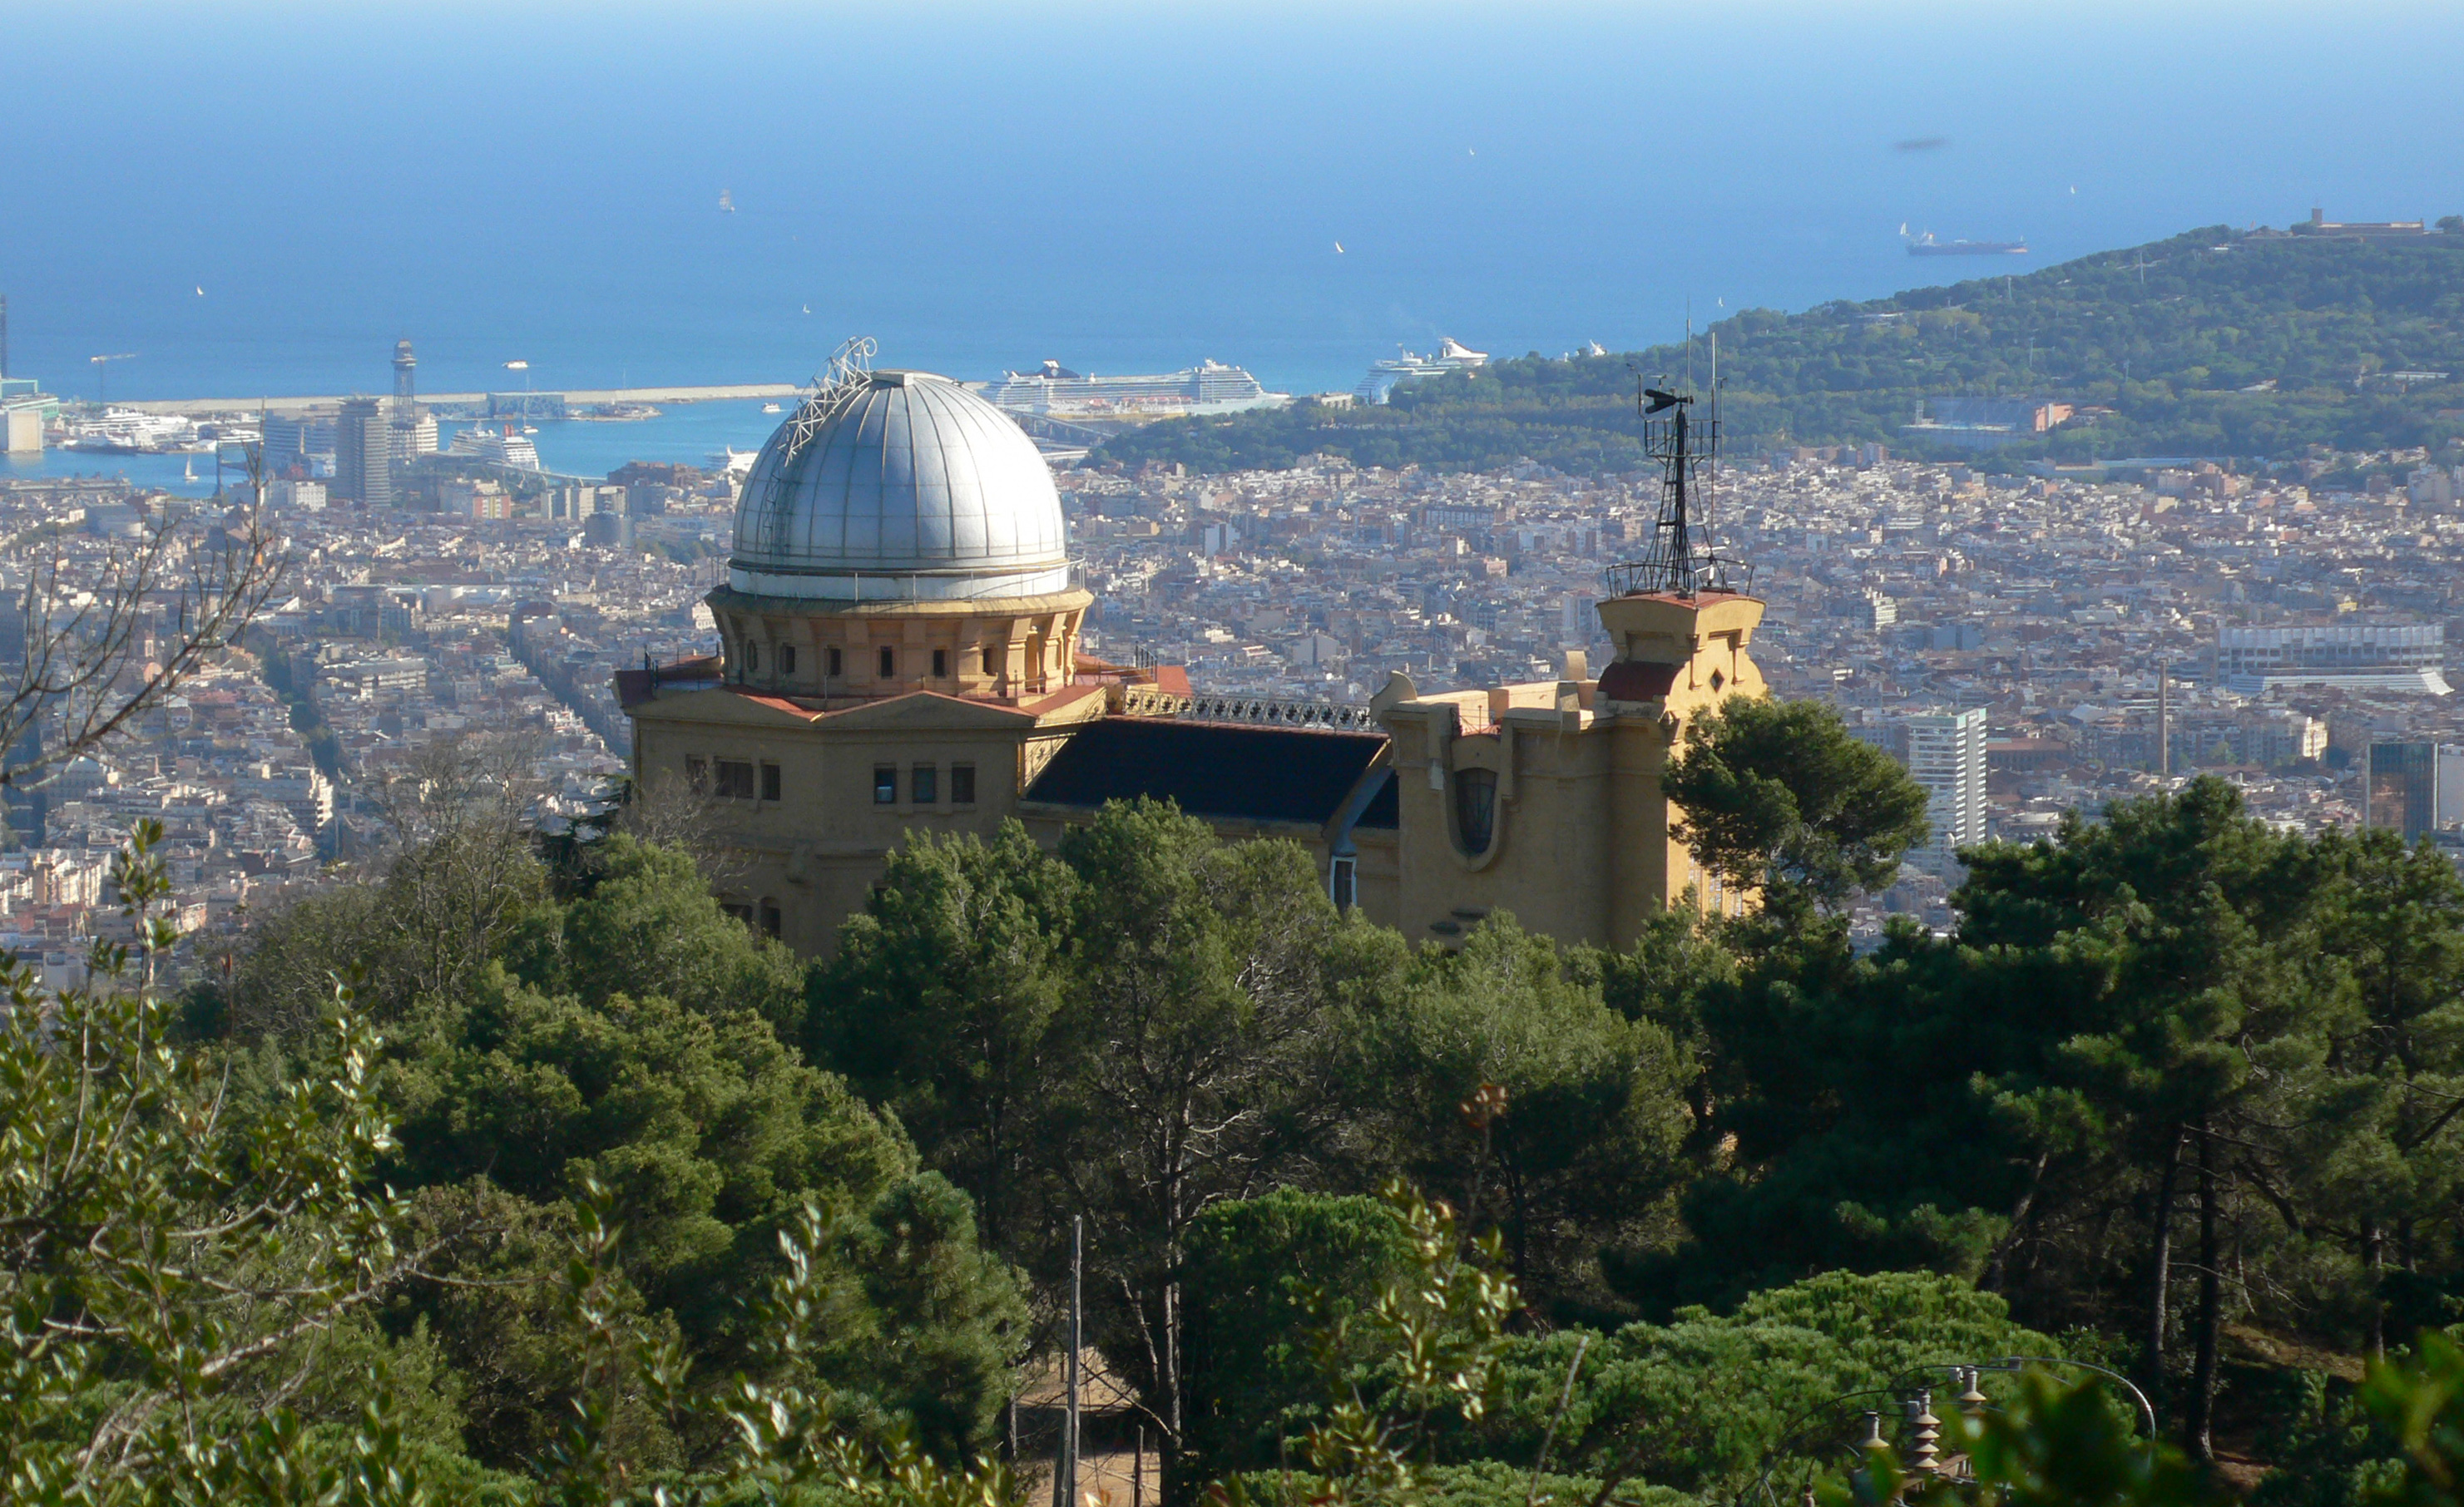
point(1476, 808)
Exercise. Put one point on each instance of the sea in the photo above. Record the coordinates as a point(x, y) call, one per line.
point(692, 433)
point(260, 198)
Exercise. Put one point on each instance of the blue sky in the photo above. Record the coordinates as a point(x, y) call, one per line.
point(1118, 186)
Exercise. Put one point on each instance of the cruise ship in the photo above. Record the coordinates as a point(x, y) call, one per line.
point(1208, 387)
point(511, 447)
point(1453, 356)
point(126, 431)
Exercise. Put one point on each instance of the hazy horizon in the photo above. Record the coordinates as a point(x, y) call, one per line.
point(1117, 189)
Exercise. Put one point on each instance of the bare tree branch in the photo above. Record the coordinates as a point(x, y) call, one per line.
point(105, 645)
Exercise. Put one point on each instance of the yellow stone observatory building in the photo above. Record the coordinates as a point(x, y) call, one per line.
point(900, 651)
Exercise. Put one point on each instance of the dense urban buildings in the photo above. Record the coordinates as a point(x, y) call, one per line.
point(2297, 617)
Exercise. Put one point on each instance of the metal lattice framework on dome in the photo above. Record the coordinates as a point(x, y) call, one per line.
point(835, 387)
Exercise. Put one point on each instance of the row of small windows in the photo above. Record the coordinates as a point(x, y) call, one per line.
point(837, 661)
point(924, 785)
point(745, 779)
point(733, 778)
point(764, 914)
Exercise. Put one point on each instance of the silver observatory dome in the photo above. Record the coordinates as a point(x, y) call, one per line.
point(900, 486)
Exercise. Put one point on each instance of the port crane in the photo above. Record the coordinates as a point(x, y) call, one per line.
point(103, 370)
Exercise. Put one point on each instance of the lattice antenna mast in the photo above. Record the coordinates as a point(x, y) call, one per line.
point(834, 388)
point(1673, 547)
point(1678, 560)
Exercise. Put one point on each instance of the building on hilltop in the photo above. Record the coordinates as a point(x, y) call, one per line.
point(1985, 424)
point(899, 653)
point(2358, 230)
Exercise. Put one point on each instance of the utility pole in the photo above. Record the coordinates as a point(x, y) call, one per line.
point(1064, 1461)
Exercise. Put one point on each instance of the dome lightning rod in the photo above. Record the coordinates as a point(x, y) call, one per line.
point(835, 387)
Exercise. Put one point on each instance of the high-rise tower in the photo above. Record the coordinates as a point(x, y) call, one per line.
point(2400, 789)
point(363, 455)
point(406, 402)
point(1947, 756)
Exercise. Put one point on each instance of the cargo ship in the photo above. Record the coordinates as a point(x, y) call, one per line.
point(1925, 245)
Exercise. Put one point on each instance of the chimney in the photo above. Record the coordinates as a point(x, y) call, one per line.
point(2163, 717)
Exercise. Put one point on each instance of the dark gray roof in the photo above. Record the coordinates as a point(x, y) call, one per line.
point(1210, 769)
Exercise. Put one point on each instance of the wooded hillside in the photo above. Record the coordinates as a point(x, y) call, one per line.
point(2214, 343)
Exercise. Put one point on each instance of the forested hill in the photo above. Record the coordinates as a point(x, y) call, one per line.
point(2215, 343)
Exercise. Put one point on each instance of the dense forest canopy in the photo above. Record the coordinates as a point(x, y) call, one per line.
point(581, 1190)
point(2212, 343)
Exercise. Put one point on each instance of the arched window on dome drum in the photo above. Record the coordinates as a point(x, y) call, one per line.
point(786, 658)
point(940, 664)
point(990, 666)
point(888, 661)
point(838, 667)
point(752, 657)
point(1476, 808)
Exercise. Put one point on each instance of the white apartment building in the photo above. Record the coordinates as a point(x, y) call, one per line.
point(1947, 756)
